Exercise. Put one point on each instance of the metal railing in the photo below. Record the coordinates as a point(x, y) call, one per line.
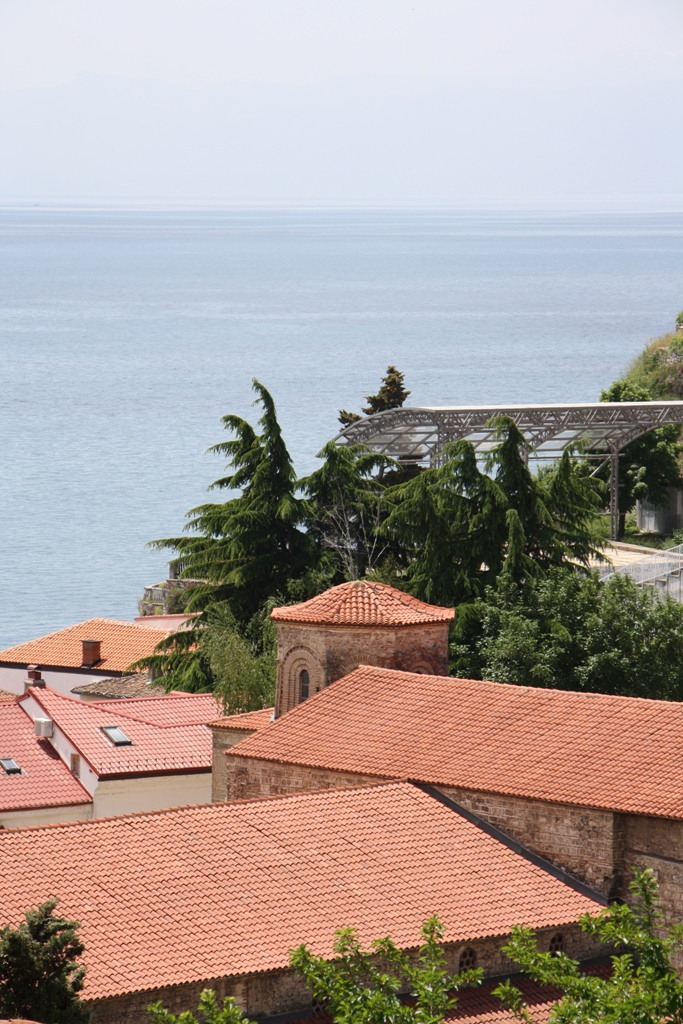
point(660, 569)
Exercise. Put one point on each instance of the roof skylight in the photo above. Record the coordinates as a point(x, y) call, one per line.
point(116, 735)
point(9, 766)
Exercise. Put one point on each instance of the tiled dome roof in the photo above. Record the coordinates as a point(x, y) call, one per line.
point(363, 603)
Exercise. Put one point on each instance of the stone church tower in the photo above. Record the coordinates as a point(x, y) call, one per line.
point(358, 623)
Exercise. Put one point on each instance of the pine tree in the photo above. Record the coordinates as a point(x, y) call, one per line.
point(250, 546)
point(40, 976)
point(391, 395)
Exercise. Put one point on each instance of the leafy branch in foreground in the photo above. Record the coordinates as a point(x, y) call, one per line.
point(211, 1011)
point(644, 987)
point(368, 985)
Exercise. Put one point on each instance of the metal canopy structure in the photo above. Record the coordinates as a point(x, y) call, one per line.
point(418, 435)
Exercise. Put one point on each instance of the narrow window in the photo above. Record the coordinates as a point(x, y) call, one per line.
point(468, 960)
point(305, 682)
point(557, 944)
point(76, 765)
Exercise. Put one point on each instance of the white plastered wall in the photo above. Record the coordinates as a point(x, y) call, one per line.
point(12, 679)
point(44, 816)
point(150, 793)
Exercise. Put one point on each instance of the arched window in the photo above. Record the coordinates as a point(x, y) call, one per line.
point(557, 943)
point(304, 682)
point(468, 960)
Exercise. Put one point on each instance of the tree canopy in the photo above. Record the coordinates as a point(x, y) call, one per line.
point(40, 972)
point(644, 986)
point(568, 630)
point(366, 985)
point(648, 465)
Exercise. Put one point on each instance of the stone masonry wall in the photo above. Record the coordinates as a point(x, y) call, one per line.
point(330, 652)
point(223, 739)
point(655, 843)
point(275, 992)
point(247, 778)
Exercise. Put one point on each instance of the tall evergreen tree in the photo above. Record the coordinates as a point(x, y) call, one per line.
point(248, 549)
point(250, 546)
point(391, 395)
point(40, 976)
point(460, 527)
point(346, 508)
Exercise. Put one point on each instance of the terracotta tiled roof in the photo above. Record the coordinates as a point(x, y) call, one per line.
point(6, 695)
point(223, 889)
point(168, 708)
point(136, 685)
point(47, 781)
point(363, 604)
point(249, 720)
point(586, 749)
point(122, 643)
point(154, 748)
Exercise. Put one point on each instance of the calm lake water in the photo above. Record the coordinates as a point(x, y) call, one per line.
point(126, 335)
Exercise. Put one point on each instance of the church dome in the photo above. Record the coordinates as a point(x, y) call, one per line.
point(363, 603)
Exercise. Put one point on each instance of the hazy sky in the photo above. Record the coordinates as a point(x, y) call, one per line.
point(353, 99)
point(199, 43)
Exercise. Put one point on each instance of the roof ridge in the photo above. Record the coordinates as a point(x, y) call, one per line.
point(522, 687)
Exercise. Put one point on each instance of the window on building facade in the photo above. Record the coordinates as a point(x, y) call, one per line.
point(557, 944)
point(468, 960)
point(305, 682)
point(76, 765)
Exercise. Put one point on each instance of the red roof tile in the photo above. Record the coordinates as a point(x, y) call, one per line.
point(6, 695)
point(45, 780)
point(363, 604)
point(168, 709)
point(135, 685)
point(586, 749)
point(237, 885)
point(122, 643)
point(249, 720)
point(154, 748)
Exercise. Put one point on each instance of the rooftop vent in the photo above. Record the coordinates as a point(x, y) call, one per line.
point(116, 735)
point(43, 726)
point(9, 766)
point(91, 653)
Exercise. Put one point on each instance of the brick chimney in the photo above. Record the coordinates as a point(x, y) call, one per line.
point(91, 653)
point(33, 678)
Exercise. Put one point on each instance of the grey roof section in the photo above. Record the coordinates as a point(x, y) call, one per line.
point(136, 685)
point(418, 434)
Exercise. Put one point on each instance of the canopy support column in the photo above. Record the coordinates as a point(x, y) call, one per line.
point(614, 496)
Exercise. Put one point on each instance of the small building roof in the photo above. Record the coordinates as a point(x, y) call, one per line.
point(45, 781)
point(585, 749)
point(121, 687)
point(363, 603)
point(240, 884)
point(6, 695)
point(122, 643)
point(250, 721)
point(154, 749)
point(168, 708)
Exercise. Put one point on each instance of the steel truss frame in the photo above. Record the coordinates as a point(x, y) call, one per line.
point(418, 435)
